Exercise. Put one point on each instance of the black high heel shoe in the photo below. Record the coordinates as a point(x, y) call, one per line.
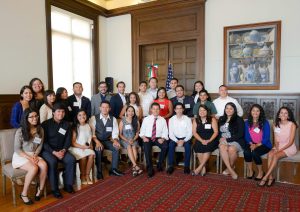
point(270, 182)
point(258, 179)
point(38, 197)
point(29, 202)
point(261, 185)
point(251, 177)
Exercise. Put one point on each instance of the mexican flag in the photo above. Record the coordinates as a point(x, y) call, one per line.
point(152, 70)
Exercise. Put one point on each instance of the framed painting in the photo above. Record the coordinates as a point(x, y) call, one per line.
point(252, 56)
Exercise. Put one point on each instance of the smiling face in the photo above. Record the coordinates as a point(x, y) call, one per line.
point(77, 89)
point(64, 95)
point(255, 112)
point(179, 92)
point(121, 88)
point(27, 95)
point(51, 98)
point(173, 84)
point(203, 96)
point(153, 84)
point(132, 99)
point(130, 112)
point(81, 117)
point(143, 87)
point(223, 91)
point(59, 114)
point(37, 86)
point(202, 112)
point(104, 108)
point(33, 118)
point(198, 87)
point(102, 88)
point(229, 110)
point(162, 94)
point(155, 110)
point(283, 114)
point(179, 110)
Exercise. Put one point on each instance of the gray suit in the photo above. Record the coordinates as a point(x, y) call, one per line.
point(96, 101)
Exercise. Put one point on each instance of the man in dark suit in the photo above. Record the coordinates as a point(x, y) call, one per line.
point(118, 101)
point(78, 101)
point(100, 97)
point(57, 140)
point(187, 101)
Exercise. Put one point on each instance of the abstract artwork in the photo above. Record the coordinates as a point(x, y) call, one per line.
point(270, 107)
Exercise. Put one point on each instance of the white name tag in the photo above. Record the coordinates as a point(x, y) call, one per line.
point(76, 104)
point(226, 124)
point(127, 127)
point(62, 131)
point(69, 108)
point(256, 130)
point(37, 140)
point(162, 106)
point(207, 126)
point(187, 106)
point(277, 130)
point(108, 129)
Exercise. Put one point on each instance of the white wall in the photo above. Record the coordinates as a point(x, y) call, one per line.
point(23, 52)
point(115, 49)
point(220, 13)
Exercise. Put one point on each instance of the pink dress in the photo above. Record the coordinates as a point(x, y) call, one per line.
point(282, 135)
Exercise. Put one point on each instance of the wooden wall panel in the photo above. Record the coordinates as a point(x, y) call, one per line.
point(6, 103)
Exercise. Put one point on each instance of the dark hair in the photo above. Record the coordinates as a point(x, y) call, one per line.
point(121, 82)
point(290, 116)
point(144, 82)
point(222, 86)
point(261, 118)
point(153, 78)
point(59, 92)
point(154, 104)
point(35, 79)
point(46, 94)
point(208, 116)
point(77, 83)
point(105, 102)
point(205, 91)
point(194, 91)
point(179, 104)
point(174, 79)
point(223, 118)
point(137, 102)
point(179, 86)
point(159, 89)
point(23, 89)
point(25, 126)
point(102, 82)
point(58, 106)
point(76, 123)
point(134, 119)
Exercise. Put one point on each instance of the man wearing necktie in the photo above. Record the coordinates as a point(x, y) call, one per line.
point(154, 132)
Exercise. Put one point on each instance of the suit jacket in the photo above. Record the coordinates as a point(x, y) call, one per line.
point(96, 101)
point(85, 104)
point(188, 103)
point(116, 105)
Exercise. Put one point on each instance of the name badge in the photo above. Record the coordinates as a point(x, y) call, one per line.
point(108, 129)
point(62, 131)
point(277, 130)
point(37, 140)
point(69, 107)
point(226, 124)
point(256, 130)
point(187, 106)
point(127, 127)
point(207, 126)
point(162, 106)
point(76, 104)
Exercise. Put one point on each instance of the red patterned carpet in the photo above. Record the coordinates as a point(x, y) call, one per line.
point(179, 192)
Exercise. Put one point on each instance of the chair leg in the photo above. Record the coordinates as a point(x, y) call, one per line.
point(3, 184)
point(13, 192)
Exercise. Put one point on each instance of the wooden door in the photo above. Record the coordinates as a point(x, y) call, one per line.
point(183, 56)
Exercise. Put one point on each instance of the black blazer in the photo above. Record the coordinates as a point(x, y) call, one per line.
point(116, 105)
point(187, 101)
point(85, 104)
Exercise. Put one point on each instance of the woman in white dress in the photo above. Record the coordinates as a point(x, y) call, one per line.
point(46, 109)
point(28, 144)
point(82, 146)
point(134, 101)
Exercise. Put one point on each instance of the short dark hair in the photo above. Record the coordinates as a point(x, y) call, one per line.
point(143, 82)
point(105, 102)
point(121, 82)
point(58, 106)
point(179, 86)
point(102, 82)
point(174, 79)
point(155, 104)
point(77, 83)
point(153, 78)
point(179, 104)
point(222, 86)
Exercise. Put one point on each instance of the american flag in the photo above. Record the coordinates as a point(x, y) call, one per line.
point(170, 77)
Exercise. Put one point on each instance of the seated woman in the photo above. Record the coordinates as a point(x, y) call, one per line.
point(166, 106)
point(257, 137)
point(134, 101)
point(231, 138)
point(46, 109)
point(29, 139)
point(82, 147)
point(38, 89)
point(26, 100)
point(129, 129)
point(204, 99)
point(284, 141)
point(205, 130)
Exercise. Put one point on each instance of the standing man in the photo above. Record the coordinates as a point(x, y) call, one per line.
point(119, 100)
point(78, 101)
point(58, 135)
point(154, 132)
point(172, 93)
point(106, 135)
point(187, 101)
point(223, 100)
point(153, 87)
point(99, 97)
point(145, 97)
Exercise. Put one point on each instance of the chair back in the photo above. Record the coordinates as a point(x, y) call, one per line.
point(7, 139)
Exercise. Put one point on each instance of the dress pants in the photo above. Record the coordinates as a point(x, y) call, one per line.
point(69, 162)
point(115, 153)
point(148, 152)
point(98, 162)
point(187, 153)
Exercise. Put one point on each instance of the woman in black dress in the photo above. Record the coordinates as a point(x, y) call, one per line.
point(205, 130)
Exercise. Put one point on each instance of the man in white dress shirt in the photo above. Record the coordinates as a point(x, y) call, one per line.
point(172, 93)
point(154, 132)
point(153, 81)
point(180, 134)
point(223, 100)
point(145, 97)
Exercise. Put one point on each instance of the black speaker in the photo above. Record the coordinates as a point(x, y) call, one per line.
point(110, 84)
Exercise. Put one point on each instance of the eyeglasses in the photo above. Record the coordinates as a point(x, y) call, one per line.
point(32, 117)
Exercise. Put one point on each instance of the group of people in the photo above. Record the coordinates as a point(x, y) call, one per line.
point(56, 128)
